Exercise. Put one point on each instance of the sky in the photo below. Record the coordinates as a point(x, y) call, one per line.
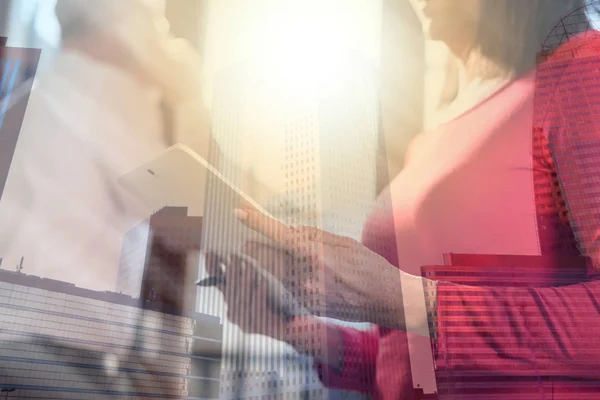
point(240, 31)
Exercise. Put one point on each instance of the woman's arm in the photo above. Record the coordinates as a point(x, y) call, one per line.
point(540, 331)
point(344, 357)
point(523, 331)
point(512, 331)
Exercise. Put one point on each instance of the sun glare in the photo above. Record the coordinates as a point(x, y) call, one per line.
point(306, 52)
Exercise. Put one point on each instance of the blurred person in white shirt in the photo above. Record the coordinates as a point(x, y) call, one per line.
point(94, 116)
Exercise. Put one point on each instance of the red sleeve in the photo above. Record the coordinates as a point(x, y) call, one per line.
point(360, 350)
point(520, 331)
point(542, 331)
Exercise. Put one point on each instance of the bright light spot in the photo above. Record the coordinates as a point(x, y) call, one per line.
point(307, 50)
point(296, 40)
point(111, 363)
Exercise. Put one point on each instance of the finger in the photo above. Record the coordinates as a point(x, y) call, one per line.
point(267, 290)
point(297, 239)
point(259, 300)
point(263, 224)
point(324, 237)
point(247, 313)
point(284, 239)
point(252, 281)
point(212, 281)
point(236, 290)
point(214, 263)
point(235, 270)
point(252, 248)
point(293, 239)
point(274, 259)
point(243, 270)
point(258, 250)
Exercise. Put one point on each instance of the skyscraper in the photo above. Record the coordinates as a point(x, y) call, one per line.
point(160, 261)
point(313, 149)
point(13, 100)
point(159, 266)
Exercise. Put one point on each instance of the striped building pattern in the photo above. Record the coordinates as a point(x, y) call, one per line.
point(566, 103)
point(314, 151)
point(58, 341)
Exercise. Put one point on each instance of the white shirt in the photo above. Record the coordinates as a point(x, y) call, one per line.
point(86, 124)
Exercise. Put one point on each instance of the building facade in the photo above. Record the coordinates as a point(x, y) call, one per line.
point(58, 341)
point(159, 266)
point(306, 155)
point(160, 260)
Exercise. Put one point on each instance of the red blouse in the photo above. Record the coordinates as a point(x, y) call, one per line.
point(487, 183)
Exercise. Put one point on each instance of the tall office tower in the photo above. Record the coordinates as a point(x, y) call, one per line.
point(61, 341)
point(171, 267)
point(160, 260)
point(159, 265)
point(14, 96)
point(305, 152)
point(330, 156)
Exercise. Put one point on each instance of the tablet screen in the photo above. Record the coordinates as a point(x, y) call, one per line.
point(181, 178)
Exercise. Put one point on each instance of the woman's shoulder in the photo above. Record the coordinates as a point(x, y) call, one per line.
point(574, 65)
point(567, 96)
point(578, 46)
point(568, 81)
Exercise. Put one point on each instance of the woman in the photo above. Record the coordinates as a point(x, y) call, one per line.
point(484, 182)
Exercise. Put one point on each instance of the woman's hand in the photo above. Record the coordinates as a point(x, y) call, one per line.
point(259, 304)
point(347, 280)
point(256, 301)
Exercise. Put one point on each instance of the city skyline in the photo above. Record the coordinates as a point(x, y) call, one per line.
point(80, 330)
point(99, 294)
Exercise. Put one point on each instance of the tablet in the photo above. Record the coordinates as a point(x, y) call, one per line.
point(179, 177)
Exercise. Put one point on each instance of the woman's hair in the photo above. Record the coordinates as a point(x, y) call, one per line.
point(511, 33)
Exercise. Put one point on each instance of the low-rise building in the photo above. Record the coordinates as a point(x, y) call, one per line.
point(59, 341)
